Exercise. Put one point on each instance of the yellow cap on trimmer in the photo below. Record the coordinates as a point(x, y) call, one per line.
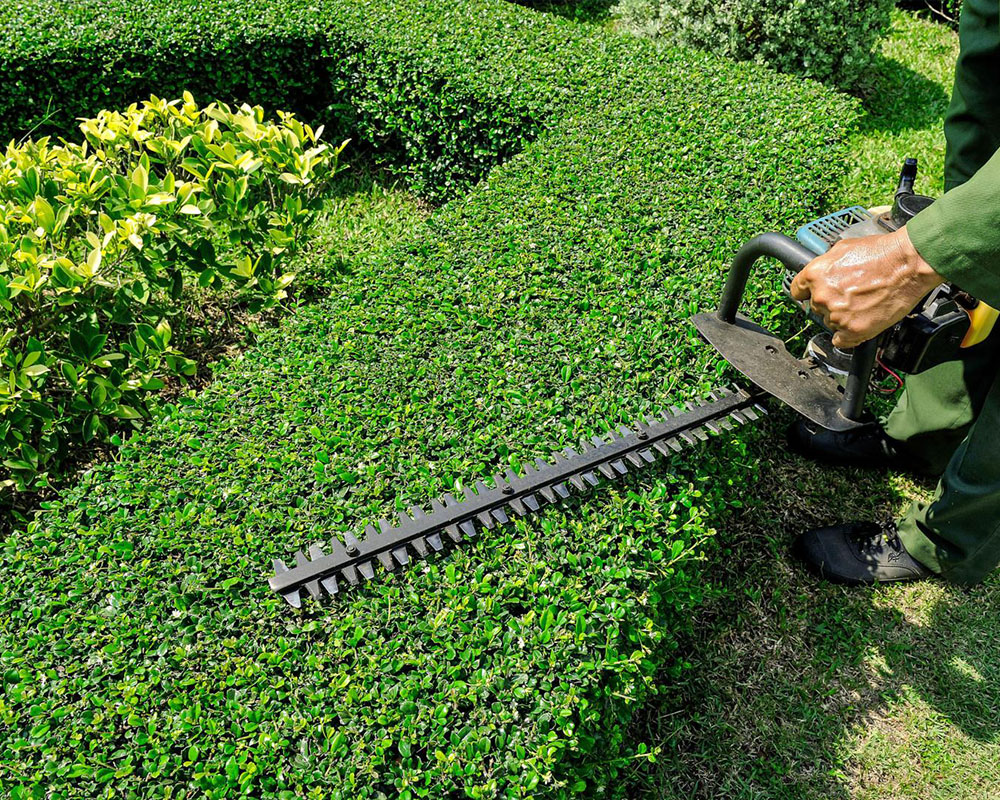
point(982, 318)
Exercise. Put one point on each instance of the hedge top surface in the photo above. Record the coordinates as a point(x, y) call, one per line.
point(436, 35)
point(143, 649)
point(525, 57)
point(495, 82)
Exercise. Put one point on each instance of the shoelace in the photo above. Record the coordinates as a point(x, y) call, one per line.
point(873, 543)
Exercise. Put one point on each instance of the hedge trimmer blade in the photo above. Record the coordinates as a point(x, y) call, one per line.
point(451, 519)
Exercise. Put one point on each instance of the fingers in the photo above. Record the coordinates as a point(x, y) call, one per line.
point(845, 339)
point(799, 289)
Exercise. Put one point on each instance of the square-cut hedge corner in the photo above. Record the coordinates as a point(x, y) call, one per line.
point(142, 653)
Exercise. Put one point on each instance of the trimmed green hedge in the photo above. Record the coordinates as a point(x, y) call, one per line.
point(143, 654)
point(429, 111)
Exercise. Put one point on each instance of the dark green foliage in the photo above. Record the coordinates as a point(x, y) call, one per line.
point(142, 649)
point(586, 11)
point(442, 133)
point(830, 40)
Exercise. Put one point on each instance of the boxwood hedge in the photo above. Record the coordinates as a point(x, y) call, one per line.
point(142, 653)
point(419, 97)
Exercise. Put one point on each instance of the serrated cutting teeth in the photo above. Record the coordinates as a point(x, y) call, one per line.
point(351, 574)
point(385, 559)
point(486, 520)
point(417, 534)
point(420, 545)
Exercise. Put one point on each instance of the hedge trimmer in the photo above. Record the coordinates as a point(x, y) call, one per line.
point(827, 386)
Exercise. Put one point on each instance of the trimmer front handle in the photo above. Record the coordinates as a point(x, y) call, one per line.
point(762, 357)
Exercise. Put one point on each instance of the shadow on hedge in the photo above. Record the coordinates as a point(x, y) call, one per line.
point(785, 669)
point(587, 11)
point(291, 74)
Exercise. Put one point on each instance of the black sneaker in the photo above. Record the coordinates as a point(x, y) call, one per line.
point(866, 446)
point(859, 552)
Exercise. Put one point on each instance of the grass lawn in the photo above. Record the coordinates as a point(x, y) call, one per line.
point(366, 213)
point(800, 690)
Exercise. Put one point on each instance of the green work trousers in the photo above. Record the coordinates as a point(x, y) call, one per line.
point(949, 416)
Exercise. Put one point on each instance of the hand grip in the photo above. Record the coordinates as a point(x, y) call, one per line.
point(795, 256)
point(788, 251)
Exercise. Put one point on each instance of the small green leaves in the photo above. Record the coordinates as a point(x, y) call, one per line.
point(510, 668)
point(95, 257)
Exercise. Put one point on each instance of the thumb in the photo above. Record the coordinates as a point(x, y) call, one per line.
point(846, 341)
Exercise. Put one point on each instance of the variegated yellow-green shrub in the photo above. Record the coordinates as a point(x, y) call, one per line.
point(101, 240)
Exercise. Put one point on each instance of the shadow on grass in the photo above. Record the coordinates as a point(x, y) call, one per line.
point(897, 98)
point(785, 669)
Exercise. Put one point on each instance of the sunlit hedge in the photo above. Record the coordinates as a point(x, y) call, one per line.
point(142, 650)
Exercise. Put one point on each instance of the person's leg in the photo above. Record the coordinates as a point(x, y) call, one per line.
point(957, 534)
point(938, 406)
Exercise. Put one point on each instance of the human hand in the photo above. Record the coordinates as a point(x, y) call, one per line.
point(861, 287)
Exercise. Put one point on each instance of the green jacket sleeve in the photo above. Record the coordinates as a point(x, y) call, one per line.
point(959, 235)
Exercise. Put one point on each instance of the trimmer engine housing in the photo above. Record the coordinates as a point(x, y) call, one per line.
point(927, 336)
